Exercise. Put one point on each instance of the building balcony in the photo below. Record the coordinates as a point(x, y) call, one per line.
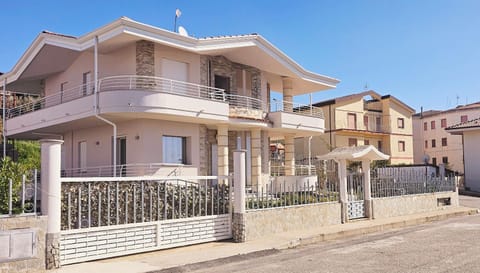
point(297, 117)
point(369, 123)
point(134, 97)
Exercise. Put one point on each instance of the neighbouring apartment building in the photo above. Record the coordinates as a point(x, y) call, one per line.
point(436, 146)
point(132, 98)
point(365, 118)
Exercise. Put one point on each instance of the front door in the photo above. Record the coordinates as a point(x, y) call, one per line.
point(121, 156)
point(355, 196)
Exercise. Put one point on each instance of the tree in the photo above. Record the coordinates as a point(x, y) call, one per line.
point(14, 171)
point(28, 154)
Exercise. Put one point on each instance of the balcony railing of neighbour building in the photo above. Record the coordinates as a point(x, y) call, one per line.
point(300, 170)
point(360, 121)
point(296, 108)
point(240, 106)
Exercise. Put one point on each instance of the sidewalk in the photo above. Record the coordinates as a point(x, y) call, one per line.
point(163, 259)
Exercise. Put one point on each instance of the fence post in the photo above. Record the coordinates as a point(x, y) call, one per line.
point(342, 179)
point(239, 181)
point(51, 198)
point(367, 188)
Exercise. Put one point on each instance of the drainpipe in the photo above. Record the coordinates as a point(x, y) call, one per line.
point(310, 155)
point(97, 110)
point(3, 117)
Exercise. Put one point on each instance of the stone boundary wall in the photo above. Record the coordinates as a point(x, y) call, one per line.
point(410, 204)
point(24, 265)
point(258, 223)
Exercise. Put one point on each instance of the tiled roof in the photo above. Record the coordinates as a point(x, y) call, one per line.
point(474, 123)
point(475, 105)
point(58, 34)
point(228, 36)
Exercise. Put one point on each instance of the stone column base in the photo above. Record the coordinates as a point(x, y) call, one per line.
point(238, 227)
point(52, 248)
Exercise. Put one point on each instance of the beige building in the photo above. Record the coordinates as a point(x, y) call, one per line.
point(435, 145)
point(365, 118)
point(129, 98)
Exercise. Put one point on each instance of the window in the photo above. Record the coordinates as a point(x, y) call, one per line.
point(174, 149)
point(352, 142)
point(443, 122)
point(222, 82)
point(82, 156)
point(380, 147)
point(365, 122)
point(174, 70)
point(425, 125)
point(445, 160)
point(401, 146)
point(464, 118)
point(426, 144)
point(366, 142)
point(87, 83)
point(434, 144)
point(352, 121)
point(434, 161)
point(444, 141)
point(432, 124)
point(401, 123)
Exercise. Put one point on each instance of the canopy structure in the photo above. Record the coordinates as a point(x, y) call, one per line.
point(358, 153)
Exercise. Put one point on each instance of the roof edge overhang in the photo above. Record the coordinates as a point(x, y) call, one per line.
point(125, 25)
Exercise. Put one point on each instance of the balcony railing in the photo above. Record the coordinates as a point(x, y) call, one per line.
point(240, 106)
point(296, 108)
point(126, 170)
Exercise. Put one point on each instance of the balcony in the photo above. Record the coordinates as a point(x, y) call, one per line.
point(297, 116)
point(375, 123)
point(125, 95)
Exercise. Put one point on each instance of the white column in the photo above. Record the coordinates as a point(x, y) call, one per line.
point(239, 180)
point(342, 179)
point(51, 156)
point(256, 158)
point(222, 146)
point(289, 155)
point(287, 94)
point(367, 188)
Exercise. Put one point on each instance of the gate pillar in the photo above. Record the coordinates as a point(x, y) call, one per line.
point(367, 188)
point(342, 179)
point(51, 195)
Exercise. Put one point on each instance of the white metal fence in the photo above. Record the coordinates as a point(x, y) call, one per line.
point(95, 202)
point(20, 197)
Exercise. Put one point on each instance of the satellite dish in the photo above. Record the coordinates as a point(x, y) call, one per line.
point(182, 31)
point(426, 159)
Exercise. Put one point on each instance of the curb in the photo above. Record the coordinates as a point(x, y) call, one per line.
point(329, 236)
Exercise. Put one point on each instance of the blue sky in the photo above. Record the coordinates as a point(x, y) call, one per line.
point(425, 53)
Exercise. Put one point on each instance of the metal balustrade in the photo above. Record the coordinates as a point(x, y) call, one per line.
point(95, 202)
point(20, 197)
point(296, 108)
point(126, 170)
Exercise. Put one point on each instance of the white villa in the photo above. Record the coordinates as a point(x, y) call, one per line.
point(138, 99)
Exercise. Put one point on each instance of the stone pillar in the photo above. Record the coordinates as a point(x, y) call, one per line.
point(145, 58)
point(367, 188)
point(51, 198)
point(342, 179)
point(289, 155)
point(222, 146)
point(287, 94)
point(256, 158)
point(239, 182)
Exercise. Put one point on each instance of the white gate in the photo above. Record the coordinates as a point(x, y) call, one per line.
point(108, 217)
point(356, 196)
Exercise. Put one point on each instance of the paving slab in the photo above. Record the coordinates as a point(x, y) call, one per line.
point(163, 259)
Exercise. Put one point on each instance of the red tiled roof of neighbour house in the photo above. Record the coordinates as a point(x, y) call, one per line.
point(475, 105)
point(228, 36)
point(474, 123)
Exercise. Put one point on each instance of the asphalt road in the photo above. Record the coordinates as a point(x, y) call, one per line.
point(446, 246)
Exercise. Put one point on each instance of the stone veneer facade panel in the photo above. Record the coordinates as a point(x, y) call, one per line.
point(31, 265)
point(411, 204)
point(145, 58)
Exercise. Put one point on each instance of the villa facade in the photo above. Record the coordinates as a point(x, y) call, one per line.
point(133, 99)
